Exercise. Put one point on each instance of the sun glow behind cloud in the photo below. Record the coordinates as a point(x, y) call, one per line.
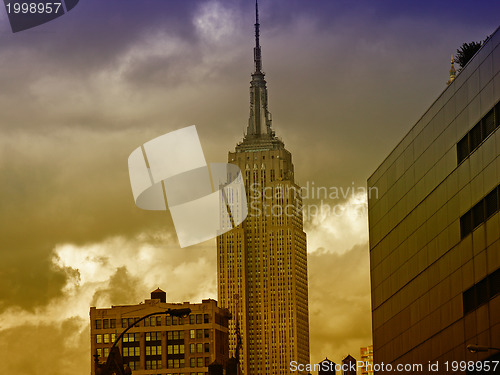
point(337, 226)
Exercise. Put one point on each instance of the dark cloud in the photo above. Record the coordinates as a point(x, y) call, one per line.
point(58, 349)
point(122, 288)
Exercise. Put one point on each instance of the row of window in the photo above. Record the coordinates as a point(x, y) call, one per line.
point(481, 292)
point(105, 339)
point(487, 125)
point(175, 335)
point(175, 349)
point(156, 350)
point(156, 364)
point(134, 351)
point(152, 336)
point(199, 333)
point(105, 323)
point(153, 365)
point(131, 337)
point(199, 362)
point(199, 348)
point(102, 352)
point(153, 321)
point(131, 351)
point(481, 212)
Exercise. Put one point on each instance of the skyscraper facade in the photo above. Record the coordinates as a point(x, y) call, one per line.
point(434, 227)
point(262, 263)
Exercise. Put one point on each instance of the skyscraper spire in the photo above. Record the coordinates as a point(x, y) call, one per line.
point(259, 134)
point(257, 56)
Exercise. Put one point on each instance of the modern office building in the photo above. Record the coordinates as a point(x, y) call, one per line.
point(366, 357)
point(262, 263)
point(165, 345)
point(435, 226)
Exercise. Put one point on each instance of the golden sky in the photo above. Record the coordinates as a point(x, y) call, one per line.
point(346, 82)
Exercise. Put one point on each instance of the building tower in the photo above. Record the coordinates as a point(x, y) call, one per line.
point(453, 72)
point(262, 263)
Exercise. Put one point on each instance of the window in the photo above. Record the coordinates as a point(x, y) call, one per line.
point(106, 352)
point(478, 133)
point(199, 333)
point(198, 318)
point(105, 323)
point(158, 320)
point(206, 333)
point(478, 214)
point(98, 339)
point(99, 352)
point(491, 202)
point(191, 319)
point(113, 337)
point(207, 361)
point(475, 136)
point(488, 123)
point(192, 362)
point(205, 318)
point(482, 292)
point(168, 320)
point(199, 361)
point(199, 348)
point(174, 320)
point(124, 323)
point(466, 224)
point(192, 333)
point(112, 323)
point(106, 338)
point(98, 324)
point(192, 348)
point(207, 347)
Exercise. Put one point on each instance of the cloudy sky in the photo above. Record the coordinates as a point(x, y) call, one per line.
point(347, 80)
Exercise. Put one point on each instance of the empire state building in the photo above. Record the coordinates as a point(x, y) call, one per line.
point(262, 263)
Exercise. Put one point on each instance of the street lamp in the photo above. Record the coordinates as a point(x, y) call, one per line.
point(480, 348)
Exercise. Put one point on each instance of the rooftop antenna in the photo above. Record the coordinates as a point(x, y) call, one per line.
point(256, 51)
